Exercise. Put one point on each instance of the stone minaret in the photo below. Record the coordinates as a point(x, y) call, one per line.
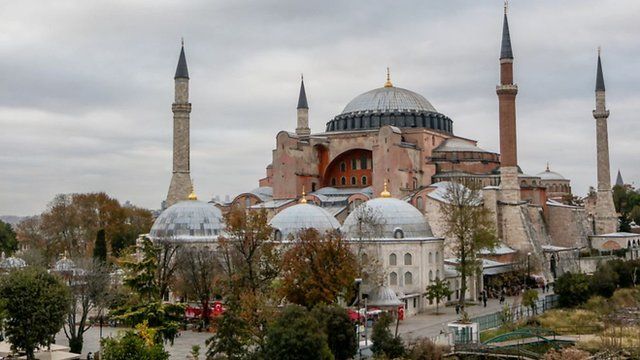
point(507, 90)
point(303, 112)
point(605, 216)
point(181, 186)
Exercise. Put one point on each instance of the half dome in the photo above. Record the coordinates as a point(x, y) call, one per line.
point(386, 218)
point(303, 216)
point(189, 221)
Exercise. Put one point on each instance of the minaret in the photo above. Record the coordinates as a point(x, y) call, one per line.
point(507, 91)
point(181, 186)
point(605, 216)
point(619, 181)
point(303, 112)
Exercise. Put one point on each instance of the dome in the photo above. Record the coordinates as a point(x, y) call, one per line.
point(396, 219)
point(458, 145)
point(11, 262)
point(550, 175)
point(389, 105)
point(383, 296)
point(188, 221)
point(303, 216)
point(64, 264)
point(388, 99)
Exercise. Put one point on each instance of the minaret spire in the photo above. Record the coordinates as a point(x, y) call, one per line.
point(505, 49)
point(605, 214)
point(303, 129)
point(181, 185)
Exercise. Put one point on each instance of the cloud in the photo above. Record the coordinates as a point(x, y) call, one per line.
point(85, 101)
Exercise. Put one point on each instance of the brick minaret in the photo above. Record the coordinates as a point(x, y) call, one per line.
point(507, 90)
point(605, 216)
point(181, 186)
point(303, 112)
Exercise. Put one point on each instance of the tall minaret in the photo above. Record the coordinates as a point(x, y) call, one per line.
point(605, 216)
point(507, 90)
point(303, 112)
point(181, 186)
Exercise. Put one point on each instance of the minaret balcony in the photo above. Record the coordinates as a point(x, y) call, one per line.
point(507, 89)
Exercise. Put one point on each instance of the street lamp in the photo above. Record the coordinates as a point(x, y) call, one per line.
point(528, 269)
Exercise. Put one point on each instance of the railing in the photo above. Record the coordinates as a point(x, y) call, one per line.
point(517, 313)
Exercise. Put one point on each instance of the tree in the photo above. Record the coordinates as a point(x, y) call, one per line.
point(340, 330)
point(573, 289)
point(370, 226)
point(100, 247)
point(384, 343)
point(470, 227)
point(296, 335)
point(133, 345)
point(604, 281)
point(529, 299)
point(8, 242)
point(318, 269)
point(426, 349)
point(197, 270)
point(35, 304)
point(231, 338)
point(438, 291)
point(90, 290)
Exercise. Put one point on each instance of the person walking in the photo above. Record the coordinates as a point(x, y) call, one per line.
point(457, 309)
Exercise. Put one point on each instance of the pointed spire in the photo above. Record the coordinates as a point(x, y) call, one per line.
point(388, 83)
point(302, 98)
point(619, 181)
point(505, 50)
point(181, 71)
point(547, 167)
point(599, 76)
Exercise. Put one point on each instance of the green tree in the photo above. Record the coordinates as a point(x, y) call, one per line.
point(573, 289)
point(340, 330)
point(438, 291)
point(296, 335)
point(8, 242)
point(132, 345)
point(470, 227)
point(318, 269)
point(604, 281)
point(100, 247)
point(529, 299)
point(231, 338)
point(35, 304)
point(384, 343)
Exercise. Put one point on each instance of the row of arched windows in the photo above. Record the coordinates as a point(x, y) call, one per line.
point(354, 181)
point(393, 259)
point(408, 278)
point(431, 257)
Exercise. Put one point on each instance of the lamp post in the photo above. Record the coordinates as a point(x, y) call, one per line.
point(528, 269)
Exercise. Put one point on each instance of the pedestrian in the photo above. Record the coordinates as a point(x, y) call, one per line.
point(484, 299)
point(501, 299)
point(90, 356)
point(457, 309)
point(542, 286)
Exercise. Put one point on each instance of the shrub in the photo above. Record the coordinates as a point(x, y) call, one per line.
point(425, 349)
point(384, 343)
point(604, 281)
point(573, 289)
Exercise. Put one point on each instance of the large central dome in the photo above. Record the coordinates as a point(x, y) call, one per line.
point(388, 99)
point(389, 105)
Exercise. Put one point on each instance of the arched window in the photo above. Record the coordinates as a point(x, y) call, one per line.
point(408, 278)
point(277, 235)
point(437, 274)
point(415, 183)
point(398, 234)
point(354, 164)
point(364, 180)
point(353, 180)
point(343, 167)
point(333, 181)
point(420, 203)
point(407, 259)
point(393, 279)
point(364, 258)
point(437, 257)
point(343, 180)
point(430, 257)
point(393, 260)
point(430, 275)
point(363, 162)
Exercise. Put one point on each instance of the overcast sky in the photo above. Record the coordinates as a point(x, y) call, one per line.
point(87, 86)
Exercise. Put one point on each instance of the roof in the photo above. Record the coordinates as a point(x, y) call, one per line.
point(181, 70)
point(501, 249)
point(272, 204)
point(457, 144)
point(599, 76)
point(617, 234)
point(442, 188)
point(553, 248)
point(550, 175)
point(303, 216)
point(387, 99)
point(383, 296)
point(619, 181)
point(302, 98)
point(505, 49)
point(188, 221)
point(264, 193)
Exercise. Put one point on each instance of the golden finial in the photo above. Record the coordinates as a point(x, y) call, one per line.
point(506, 6)
point(192, 195)
point(303, 199)
point(385, 193)
point(548, 166)
point(388, 83)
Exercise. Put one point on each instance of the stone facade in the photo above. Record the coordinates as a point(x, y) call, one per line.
point(569, 226)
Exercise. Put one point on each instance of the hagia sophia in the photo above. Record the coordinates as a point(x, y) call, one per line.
point(392, 153)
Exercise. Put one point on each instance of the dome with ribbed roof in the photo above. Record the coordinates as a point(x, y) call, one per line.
point(388, 99)
point(303, 216)
point(11, 262)
point(550, 175)
point(190, 221)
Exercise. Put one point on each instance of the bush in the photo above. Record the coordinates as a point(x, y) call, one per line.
point(572, 321)
point(340, 331)
point(425, 349)
point(573, 289)
point(384, 343)
point(604, 281)
point(132, 346)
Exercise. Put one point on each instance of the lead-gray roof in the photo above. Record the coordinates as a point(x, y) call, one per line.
point(388, 99)
point(302, 97)
point(457, 144)
point(7, 263)
point(181, 69)
point(303, 216)
point(505, 49)
point(599, 76)
point(188, 221)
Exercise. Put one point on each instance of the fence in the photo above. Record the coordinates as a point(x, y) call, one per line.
point(516, 313)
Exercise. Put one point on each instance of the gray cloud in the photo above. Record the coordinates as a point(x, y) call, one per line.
point(87, 85)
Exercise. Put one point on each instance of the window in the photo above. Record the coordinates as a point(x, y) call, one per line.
point(419, 203)
point(415, 303)
point(437, 256)
point(363, 162)
point(393, 279)
point(364, 180)
point(353, 180)
point(430, 275)
point(247, 202)
point(277, 235)
point(393, 259)
point(313, 187)
point(343, 167)
point(365, 258)
point(398, 234)
point(408, 278)
point(354, 164)
point(415, 183)
point(430, 257)
point(343, 180)
point(437, 274)
point(333, 182)
point(407, 259)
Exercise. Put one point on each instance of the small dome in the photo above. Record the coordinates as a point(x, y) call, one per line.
point(550, 175)
point(188, 221)
point(383, 296)
point(64, 265)
point(303, 216)
point(389, 99)
point(458, 145)
point(396, 219)
point(7, 263)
